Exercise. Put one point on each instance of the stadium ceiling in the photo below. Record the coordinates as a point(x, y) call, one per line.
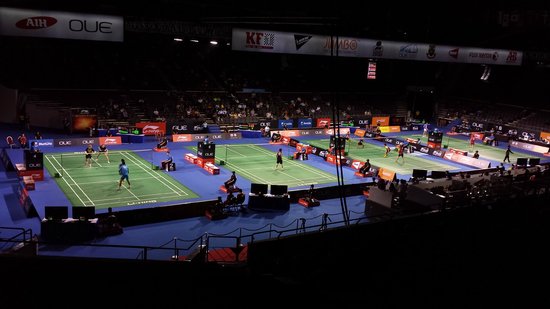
point(478, 24)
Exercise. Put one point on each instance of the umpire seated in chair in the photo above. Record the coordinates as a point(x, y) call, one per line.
point(163, 143)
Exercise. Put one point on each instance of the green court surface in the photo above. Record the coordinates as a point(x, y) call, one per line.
point(98, 185)
point(257, 164)
point(485, 151)
point(376, 156)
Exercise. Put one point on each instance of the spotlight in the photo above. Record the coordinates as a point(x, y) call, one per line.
point(178, 40)
point(194, 40)
point(486, 73)
point(214, 42)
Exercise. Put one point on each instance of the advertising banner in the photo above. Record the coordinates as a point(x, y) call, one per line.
point(152, 128)
point(42, 143)
point(363, 122)
point(386, 174)
point(267, 41)
point(545, 136)
point(111, 140)
point(343, 131)
point(530, 147)
point(200, 137)
point(61, 25)
point(386, 129)
point(305, 123)
point(64, 142)
point(466, 160)
point(322, 122)
point(288, 123)
point(381, 121)
point(360, 132)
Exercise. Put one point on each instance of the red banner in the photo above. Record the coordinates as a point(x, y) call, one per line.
point(111, 140)
point(152, 128)
point(182, 137)
point(322, 122)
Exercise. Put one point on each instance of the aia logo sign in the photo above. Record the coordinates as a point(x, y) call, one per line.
point(37, 22)
point(512, 57)
point(263, 40)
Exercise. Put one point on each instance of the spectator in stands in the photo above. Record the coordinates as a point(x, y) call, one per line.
point(163, 143)
point(10, 141)
point(230, 199)
point(109, 225)
point(22, 139)
point(34, 147)
point(206, 139)
point(37, 135)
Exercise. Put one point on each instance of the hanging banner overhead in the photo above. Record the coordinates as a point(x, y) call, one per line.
point(266, 41)
point(61, 25)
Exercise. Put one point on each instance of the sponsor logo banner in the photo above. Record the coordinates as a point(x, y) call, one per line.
point(284, 122)
point(61, 25)
point(479, 163)
point(75, 142)
point(343, 131)
point(152, 128)
point(305, 123)
point(545, 136)
point(360, 132)
point(201, 137)
point(322, 122)
point(323, 45)
point(386, 129)
point(42, 142)
point(386, 174)
point(111, 140)
point(381, 121)
point(530, 147)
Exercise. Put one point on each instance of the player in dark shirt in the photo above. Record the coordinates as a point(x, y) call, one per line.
point(103, 150)
point(279, 159)
point(88, 156)
point(231, 181)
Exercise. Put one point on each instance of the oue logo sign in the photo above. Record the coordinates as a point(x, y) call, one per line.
point(78, 25)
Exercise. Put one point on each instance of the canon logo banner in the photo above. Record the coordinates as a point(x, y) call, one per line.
point(61, 25)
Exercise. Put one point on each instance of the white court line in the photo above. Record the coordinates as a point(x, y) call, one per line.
point(122, 198)
point(303, 165)
point(162, 176)
point(65, 180)
point(137, 162)
point(66, 173)
point(131, 193)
